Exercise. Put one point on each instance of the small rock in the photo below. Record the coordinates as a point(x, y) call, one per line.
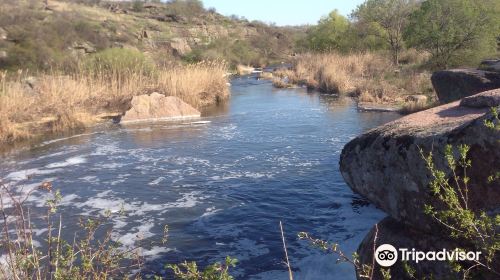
point(416, 98)
point(85, 46)
point(485, 99)
point(3, 34)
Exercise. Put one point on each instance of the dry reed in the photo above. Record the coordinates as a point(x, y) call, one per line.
point(60, 102)
point(368, 76)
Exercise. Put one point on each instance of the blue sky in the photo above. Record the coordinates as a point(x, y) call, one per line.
point(282, 12)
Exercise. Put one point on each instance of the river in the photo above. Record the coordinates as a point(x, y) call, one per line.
point(221, 183)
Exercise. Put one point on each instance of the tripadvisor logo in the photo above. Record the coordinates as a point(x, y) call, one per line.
point(386, 255)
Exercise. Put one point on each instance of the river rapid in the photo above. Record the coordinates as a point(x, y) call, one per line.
point(221, 183)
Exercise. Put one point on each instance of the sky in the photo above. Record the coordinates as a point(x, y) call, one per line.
point(282, 12)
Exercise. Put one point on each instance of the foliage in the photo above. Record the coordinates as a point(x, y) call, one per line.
point(463, 223)
point(455, 31)
point(364, 271)
point(138, 6)
point(118, 61)
point(87, 257)
point(387, 20)
point(329, 34)
point(187, 8)
point(217, 271)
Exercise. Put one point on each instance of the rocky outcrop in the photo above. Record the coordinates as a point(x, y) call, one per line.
point(84, 47)
point(158, 107)
point(485, 99)
point(385, 164)
point(452, 85)
point(180, 46)
point(490, 65)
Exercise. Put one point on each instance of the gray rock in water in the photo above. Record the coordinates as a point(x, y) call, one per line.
point(385, 164)
point(485, 99)
point(158, 107)
point(452, 85)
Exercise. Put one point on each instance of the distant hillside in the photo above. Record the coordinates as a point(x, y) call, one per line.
point(38, 36)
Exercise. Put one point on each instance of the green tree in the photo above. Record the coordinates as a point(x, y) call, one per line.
point(386, 19)
point(328, 34)
point(454, 30)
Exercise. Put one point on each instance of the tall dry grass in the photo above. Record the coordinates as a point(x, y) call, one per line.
point(57, 102)
point(368, 76)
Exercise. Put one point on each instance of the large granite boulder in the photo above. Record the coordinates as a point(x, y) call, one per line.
point(385, 164)
point(158, 107)
point(452, 85)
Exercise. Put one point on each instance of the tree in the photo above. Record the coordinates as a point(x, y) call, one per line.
point(386, 19)
point(445, 28)
point(328, 34)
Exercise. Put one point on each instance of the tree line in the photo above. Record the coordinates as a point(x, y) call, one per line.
point(453, 32)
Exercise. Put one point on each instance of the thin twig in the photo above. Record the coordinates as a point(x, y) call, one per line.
point(374, 248)
point(290, 274)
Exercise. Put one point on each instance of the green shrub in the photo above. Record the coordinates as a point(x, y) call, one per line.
point(217, 271)
point(455, 32)
point(138, 6)
point(117, 61)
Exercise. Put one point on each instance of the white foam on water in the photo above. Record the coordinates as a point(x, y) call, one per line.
point(154, 252)
point(112, 165)
point(257, 175)
point(157, 181)
point(210, 211)
point(69, 162)
point(201, 122)
point(108, 149)
point(25, 174)
point(90, 179)
point(187, 200)
point(66, 138)
point(138, 233)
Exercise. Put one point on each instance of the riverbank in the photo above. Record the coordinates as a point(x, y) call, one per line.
point(371, 78)
point(56, 102)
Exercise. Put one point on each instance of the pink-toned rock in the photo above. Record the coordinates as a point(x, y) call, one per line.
point(486, 99)
point(158, 107)
point(385, 165)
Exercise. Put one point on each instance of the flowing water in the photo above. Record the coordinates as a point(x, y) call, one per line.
point(221, 183)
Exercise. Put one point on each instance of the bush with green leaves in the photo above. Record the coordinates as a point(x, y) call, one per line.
point(386, 19)
point(455, 32)
point(190, 271)
point(329, 34)
point(118, 62)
